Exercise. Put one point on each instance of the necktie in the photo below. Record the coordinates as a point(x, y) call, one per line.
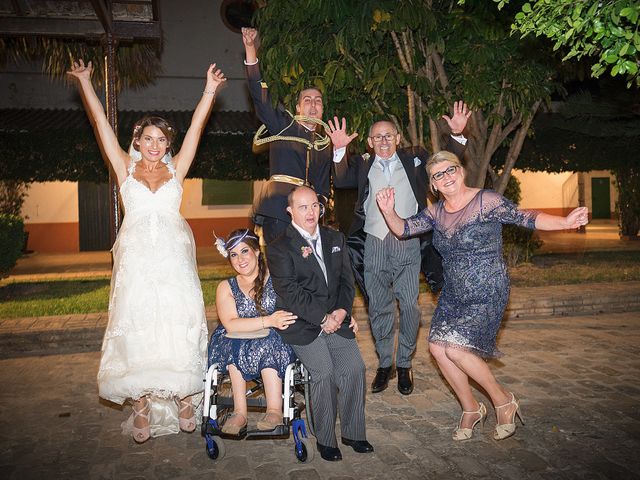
point(386, 169)
point(314, 245)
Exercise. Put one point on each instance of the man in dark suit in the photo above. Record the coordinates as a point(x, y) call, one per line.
point(291, 162)
point(312, 277)
point(386, 268)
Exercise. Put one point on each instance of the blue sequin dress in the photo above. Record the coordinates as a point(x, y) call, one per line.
point(476, 285)
point(250, 356)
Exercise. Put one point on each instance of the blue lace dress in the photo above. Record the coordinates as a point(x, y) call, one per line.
point(476, 285)
point(250, 356)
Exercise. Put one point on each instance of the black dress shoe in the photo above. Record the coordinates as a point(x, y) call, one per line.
point(405, 380)
point(331, 454)
point(360, 446)
point(381, 381)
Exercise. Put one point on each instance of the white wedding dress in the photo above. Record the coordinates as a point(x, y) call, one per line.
point(155, 343)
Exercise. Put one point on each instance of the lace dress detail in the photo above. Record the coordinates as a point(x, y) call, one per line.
point(250, 356)
point(156, 339)
point(476, 285)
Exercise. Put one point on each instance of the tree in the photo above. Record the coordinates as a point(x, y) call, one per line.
point(409, 60)
point(605, 30)
point(594, 132)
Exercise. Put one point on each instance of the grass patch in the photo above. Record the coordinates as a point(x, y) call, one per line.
point(566, 269)
point(86, 295)
point(63, 297)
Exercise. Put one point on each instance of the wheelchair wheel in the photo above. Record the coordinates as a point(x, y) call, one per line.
point(305, 451)
point(215, 447)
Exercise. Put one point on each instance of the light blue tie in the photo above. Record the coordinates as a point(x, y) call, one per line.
point(386, 169)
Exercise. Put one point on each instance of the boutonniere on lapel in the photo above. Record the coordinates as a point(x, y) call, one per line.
point(306, 251)
point(366, 157)
point(416, 162)
point(335, 249)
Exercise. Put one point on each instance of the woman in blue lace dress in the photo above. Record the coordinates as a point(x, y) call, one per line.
point(467, 231)
point(246, 308)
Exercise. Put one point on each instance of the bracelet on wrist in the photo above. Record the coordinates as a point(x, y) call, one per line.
point(262, 320)
point(209, 92)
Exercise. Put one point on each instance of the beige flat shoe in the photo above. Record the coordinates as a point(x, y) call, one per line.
point(233, 429)
point(270, 420)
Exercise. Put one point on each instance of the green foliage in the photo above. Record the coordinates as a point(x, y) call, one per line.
point(406, 60)
point(137, 64)
point(11, 241)
point(518, 243)
point(48, 155)
point(605, 30)
point(628, 182)
point(12, 196)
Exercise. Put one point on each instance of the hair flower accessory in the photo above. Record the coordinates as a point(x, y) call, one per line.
point(306, 251)
point(233, 241)
point(220, 245)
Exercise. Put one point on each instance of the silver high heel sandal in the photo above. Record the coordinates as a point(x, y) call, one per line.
point(466, 433)
point(505, 430)
point(141, 435)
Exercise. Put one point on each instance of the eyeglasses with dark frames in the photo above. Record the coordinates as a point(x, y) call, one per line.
point(450, 171)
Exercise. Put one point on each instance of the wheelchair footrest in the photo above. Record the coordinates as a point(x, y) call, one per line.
point(281, 431)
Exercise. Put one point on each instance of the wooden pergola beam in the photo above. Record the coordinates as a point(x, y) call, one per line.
point(79, 28)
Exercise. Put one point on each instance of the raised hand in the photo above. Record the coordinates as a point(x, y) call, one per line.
point(249, 36)
point(577, 217)
point(80, 71)
point(386, 200)
point(281, 319)
point(338, 134)
point(214, 78)
point(461, 114)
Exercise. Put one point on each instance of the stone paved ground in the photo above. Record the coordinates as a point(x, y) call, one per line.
point(577, 377)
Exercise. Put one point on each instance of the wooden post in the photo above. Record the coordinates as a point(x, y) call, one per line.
point(109, 46)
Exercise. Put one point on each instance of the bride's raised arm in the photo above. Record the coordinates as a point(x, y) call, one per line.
point(184, 158)
point(107, 139)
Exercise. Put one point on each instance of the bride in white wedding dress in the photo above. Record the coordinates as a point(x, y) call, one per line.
point(154, 348)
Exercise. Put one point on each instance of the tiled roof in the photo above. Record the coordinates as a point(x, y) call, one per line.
point(31, 120)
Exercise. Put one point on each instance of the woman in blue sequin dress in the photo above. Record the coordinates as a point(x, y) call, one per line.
point(467, 231)
point(246, 308)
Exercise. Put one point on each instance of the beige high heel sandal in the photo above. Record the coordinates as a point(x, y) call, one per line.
point(466, 433)
point(505, 430)
point(187, 425)
point(141, 435)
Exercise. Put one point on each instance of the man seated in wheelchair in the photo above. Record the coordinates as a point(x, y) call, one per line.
point(245, 344)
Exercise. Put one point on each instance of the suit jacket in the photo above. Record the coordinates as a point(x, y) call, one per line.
point(354, 172)
point(300, 285)
point(285, 157)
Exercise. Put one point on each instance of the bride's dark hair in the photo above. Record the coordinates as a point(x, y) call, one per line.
point(251, 239)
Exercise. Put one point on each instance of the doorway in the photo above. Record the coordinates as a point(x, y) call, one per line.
point(600, 197)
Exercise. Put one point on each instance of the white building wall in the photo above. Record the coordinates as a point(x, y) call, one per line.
point(51, 202)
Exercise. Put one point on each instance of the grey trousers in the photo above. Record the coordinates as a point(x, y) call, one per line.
point(337, 386)
point(392, 272)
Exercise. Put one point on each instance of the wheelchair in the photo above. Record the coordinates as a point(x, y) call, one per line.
point(295, 398)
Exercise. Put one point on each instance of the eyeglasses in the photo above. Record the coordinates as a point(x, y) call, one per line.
point(378, 138)
point(449, 171)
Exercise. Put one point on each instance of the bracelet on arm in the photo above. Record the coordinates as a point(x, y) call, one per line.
point(209, 92)
point(262, 320)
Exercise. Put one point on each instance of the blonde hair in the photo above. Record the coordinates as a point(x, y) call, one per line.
point(437, 158)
